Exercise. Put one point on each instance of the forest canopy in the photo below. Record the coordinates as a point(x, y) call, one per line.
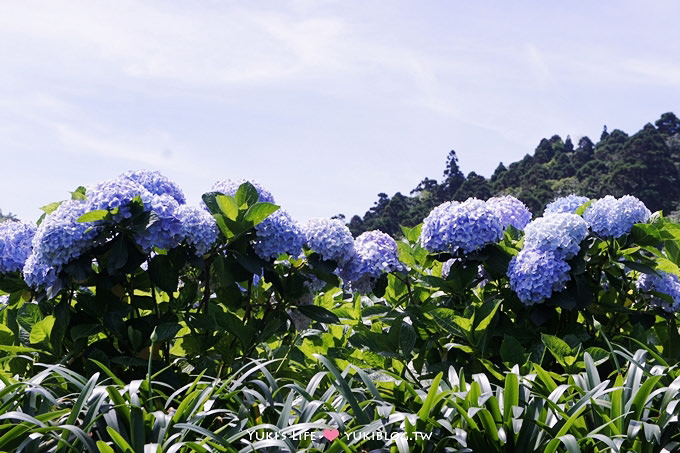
point(645, 164)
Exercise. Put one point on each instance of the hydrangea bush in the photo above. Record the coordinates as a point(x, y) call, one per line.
point(129, 274)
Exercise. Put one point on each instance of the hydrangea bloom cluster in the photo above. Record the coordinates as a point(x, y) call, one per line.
point(198, 227)
point(510, 210)
point(59, 239)
point(541, 267)
point(278, 234)
point(156, 183)
point(330, 238)
point(663, 283)
point(562, 205)
point(230, 186)
point(159, 195)
point(557, 233)
point(535, 275)
point(15, 245)
point(115, 193)
point(467, 226)
point(375, 253)
point(613, 217)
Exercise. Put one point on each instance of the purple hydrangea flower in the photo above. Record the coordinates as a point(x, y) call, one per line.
point(165, 231)
point(510, 210)
point(565, 205)
point(230, 186)
point(611, 217)
point(330, 238)
point(446, 267)
point(60, 238)
point(663, 283)
point(115, 193)
point(535, 275)
point(560, 234)
point(37, 274)
point(278, 234)
point(16, 240)
point(467, 226)
point(156, 183)
point(375, 253)
point(198, 228)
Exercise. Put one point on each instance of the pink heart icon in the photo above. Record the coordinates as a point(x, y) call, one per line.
point(331, 434)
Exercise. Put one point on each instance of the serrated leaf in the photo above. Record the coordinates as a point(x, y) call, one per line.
point(228, 206)
point(94, 216)
point(260, 211)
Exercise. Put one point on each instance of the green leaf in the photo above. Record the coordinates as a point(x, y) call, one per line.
point(431, 399)
point(165, 331)
point(484, 323)
point(407, 338)
point(210, 201)
point(228, 206)
point(50, 208)
point(558, 347)
point(118, 255)
point(41, 331)
point(450, 322)
point(319, 314)
point(512, 351)
point(163, 273)
point(246, 195)
point(79, 194)
point(260, 211)
point(28, 316)
point(94, 216)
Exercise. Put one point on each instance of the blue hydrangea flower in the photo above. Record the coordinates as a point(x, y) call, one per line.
point(156, 184)
point(375, 253)
point(557, 233)
point(330, 238)
point(663, 283)
point(565, 205)
point(614, 218)
point(535, 275)
point(446, 267)
point(467, 226)
point(165, 230)
point(230, 186)
point(115, 193)
point(16, 240)
point(60, 238)
point(159, 196)
point(37, 274)
point(510, 210)
point(198, 228)
point(278, 234)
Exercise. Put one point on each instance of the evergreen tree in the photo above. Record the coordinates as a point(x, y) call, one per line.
point(474, 186)
point(647, 170)
point(668, 124)
point(453, 178)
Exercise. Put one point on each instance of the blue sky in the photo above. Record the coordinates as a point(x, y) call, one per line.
point(326, 103)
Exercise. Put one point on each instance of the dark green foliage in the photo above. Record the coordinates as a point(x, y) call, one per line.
point(646, 169)
point(645, 165)
point(5, 217)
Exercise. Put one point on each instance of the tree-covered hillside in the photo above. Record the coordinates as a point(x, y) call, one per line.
point(645, 164)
